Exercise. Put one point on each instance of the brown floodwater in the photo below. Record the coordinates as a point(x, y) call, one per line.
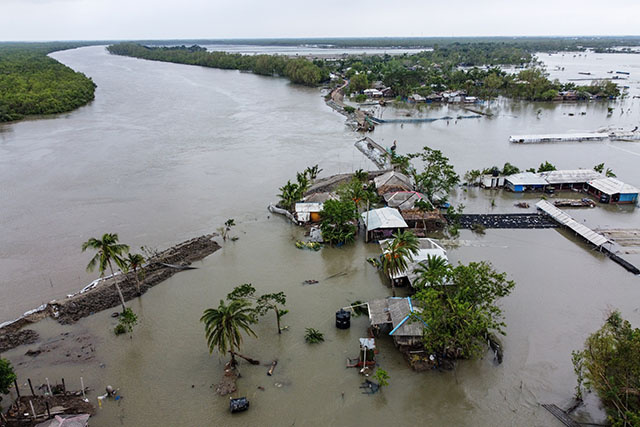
point(168, 152)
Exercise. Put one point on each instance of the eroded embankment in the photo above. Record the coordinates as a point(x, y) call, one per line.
point(104, 295)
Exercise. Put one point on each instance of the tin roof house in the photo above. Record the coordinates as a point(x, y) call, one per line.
point(611, 190)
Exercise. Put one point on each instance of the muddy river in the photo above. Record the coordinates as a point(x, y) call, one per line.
point(167, 152)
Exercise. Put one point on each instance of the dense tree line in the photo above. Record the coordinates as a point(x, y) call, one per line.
point(33, 83)
point(531, 44)
point(298, 70)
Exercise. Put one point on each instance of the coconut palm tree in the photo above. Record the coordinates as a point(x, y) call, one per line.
point(107, 250)
point(224, 326)
point(135, 261)
point(431, 272)
point(398, 253)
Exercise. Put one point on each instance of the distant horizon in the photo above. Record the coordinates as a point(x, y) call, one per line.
point(328, 38)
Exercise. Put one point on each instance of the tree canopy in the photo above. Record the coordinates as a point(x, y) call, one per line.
point(437, 178)
point(460, 315)
point(33, 83)
point(337, 221)
point(609, 364)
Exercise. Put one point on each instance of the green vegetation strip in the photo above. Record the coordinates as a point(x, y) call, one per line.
point(31, 83)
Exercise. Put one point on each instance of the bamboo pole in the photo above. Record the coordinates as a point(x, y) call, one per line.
point(31, 387)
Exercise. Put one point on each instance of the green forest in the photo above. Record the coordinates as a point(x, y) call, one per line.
point(298, 70)
point(472, 67)
point(31, 83)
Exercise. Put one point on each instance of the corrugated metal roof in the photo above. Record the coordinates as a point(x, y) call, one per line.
point(403, 199)
point(383, 218)
point(392, 178)
point(612, 186)
point(570, 176)
point(525, 178)
point(564, 219)
point(309, 207)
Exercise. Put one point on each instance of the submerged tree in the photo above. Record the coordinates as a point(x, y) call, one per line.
point(432, 272)
point(609, 364)
point(438, 177)
point(546, 167)
point(126, 321)
point(7, 377)
point(264, 303)
point(461, 315)
point(225, 325)
point(397, 254)
point(337, 221)
point(107, 250)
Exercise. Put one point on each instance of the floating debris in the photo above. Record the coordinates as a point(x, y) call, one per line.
point(315, 246)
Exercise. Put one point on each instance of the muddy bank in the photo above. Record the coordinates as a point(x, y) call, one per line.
point(102, 295)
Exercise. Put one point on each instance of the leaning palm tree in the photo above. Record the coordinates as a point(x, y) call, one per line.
point(107, 249)
point(224, 326)
point(134, 262)
point(431, 272)
point(398, 253)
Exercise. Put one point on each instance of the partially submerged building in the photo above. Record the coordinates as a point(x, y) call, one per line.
point(427, 248)
point(569, 179)
point(308, 211)
point(403, 200)
point(382, 223)
point(525, 181)
point(398, 318)
point(611, 190)
point(392, 181)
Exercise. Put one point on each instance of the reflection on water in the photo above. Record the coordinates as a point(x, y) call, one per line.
point(167, 151)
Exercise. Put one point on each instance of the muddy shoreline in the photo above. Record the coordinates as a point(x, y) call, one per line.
point(103, 295)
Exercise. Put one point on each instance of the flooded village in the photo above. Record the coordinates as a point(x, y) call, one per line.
point(335, 227)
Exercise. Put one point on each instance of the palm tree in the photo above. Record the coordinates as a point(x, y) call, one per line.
point(288, 195)
point(398, 253)
point(135, 261)
point(433, 271)
point(224, 326)
point(107, 249)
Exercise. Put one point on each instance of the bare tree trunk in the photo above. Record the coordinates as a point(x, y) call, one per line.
point(115, 281)
point(135, 273)
point(248, 359)
point(278, 320)
point(393, 287)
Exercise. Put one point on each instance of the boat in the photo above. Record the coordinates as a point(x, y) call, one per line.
point(623, 72)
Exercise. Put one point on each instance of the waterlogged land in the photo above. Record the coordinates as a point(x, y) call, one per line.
point(220, 150)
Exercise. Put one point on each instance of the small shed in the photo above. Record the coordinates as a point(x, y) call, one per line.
point(403, 200)
point(382, 223)
point(524, 181)
point(398, 318)
point(306, 212)
point(416, 98)
point(392, 181)
point(611, 190)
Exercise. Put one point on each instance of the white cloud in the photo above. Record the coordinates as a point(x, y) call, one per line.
point(153, 19)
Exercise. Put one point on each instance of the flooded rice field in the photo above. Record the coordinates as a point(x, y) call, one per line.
point(167, 152)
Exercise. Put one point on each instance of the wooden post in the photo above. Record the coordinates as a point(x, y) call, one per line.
point(32, 409)
point(64, 387)
point(31, 387)
point(15, 383)
point(48, 411)
point(273, 366)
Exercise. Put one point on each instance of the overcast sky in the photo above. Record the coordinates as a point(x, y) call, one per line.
point(163, 19)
